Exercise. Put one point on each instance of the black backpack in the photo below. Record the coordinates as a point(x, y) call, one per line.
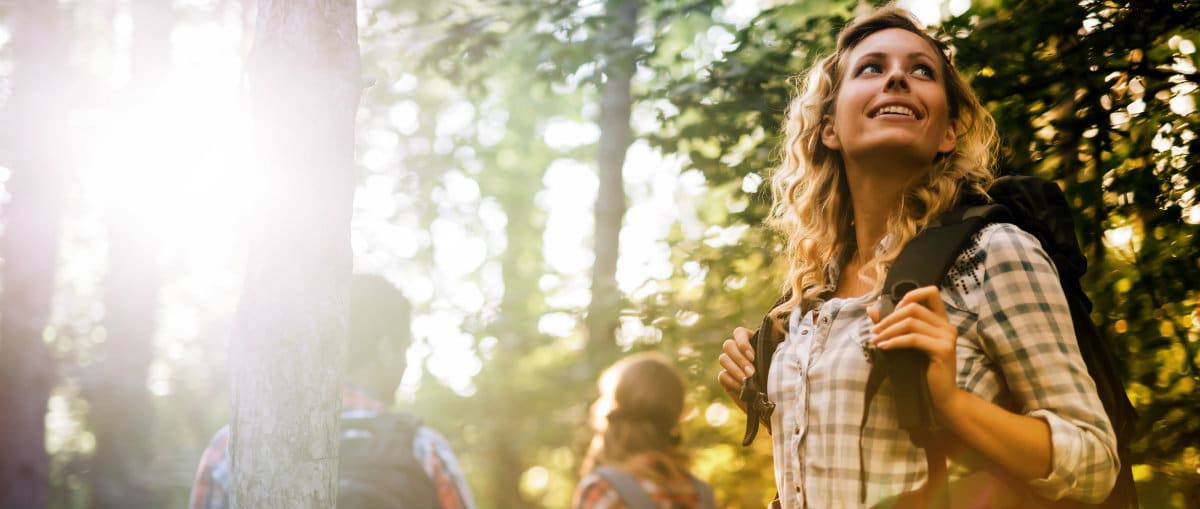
point(377, 468)
point(1036, 206)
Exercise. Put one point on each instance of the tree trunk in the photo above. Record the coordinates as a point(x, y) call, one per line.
point(120, 407)
point(36, 136)
point(616, 104)
point(288, 345)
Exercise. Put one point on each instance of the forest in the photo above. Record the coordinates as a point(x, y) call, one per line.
point(186, 187)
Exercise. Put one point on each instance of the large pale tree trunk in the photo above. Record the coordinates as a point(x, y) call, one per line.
point(616, 104)
point(288, 345)
point(35, 144)
point(121, 410)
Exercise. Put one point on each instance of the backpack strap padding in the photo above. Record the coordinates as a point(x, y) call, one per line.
point(627, 488)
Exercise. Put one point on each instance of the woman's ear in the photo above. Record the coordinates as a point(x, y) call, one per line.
point(829, 136)
point(949, 141)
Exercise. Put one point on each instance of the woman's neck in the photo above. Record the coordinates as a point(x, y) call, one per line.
point(874, 195)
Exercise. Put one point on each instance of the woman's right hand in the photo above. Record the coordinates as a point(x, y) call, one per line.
point(737, 363)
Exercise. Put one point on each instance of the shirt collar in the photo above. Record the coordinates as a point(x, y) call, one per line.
point(833, 270)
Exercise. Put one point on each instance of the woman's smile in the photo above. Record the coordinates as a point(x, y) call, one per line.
point(895, 109)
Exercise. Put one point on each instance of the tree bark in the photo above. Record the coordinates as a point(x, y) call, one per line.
point(288, 346)
point(120, 407)
point(616, 104)
point(37, 143)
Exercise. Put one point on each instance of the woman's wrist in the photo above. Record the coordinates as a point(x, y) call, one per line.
point(951, 409)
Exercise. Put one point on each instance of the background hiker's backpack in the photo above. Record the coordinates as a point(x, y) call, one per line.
point(634, 497)
point(1037, 207)
point(377, 468)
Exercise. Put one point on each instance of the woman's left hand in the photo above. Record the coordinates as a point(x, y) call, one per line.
point(919, 321)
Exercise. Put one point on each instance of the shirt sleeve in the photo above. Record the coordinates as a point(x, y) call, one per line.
point(208, 490)
point(1026, 329)
point(594, 492)
point(434, 453)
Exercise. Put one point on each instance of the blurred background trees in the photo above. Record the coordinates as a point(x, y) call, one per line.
point(35, 173)
point(115, 385)
point(484, 140)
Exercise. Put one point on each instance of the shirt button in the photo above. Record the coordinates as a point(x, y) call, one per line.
point(797, 430)
point(804, 332)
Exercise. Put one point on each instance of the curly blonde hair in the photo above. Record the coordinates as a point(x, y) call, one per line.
point(638, 414)
point(811, 204)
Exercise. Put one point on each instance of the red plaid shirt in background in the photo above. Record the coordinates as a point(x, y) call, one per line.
point(595, 492)
point(211, 487)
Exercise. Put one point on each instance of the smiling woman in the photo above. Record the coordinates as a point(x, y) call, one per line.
point(884, 138)
point(837, 139)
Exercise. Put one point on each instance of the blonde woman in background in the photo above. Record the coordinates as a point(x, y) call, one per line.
point(637, 459)
point(885, 136)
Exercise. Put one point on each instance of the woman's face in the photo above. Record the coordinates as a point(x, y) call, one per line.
point(892, 104)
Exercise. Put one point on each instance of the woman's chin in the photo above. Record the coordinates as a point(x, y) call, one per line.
point(894, 151)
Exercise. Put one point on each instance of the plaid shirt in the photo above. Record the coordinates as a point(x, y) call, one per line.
point(595, 492)
point(210, 490)
point(1016, 348)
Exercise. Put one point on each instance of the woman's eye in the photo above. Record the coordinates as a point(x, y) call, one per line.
point(869, 67)
point(923, 70)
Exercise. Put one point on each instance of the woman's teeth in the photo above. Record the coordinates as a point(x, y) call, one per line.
point(900, 110)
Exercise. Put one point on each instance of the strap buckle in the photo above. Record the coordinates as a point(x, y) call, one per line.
point(765, 406)
point(755, 399)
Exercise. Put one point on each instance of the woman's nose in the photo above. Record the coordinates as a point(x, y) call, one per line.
point(896, 80)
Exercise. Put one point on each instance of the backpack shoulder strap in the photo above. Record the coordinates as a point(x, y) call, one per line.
point(754, 389)
point(627, 488)
point(925, 261)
